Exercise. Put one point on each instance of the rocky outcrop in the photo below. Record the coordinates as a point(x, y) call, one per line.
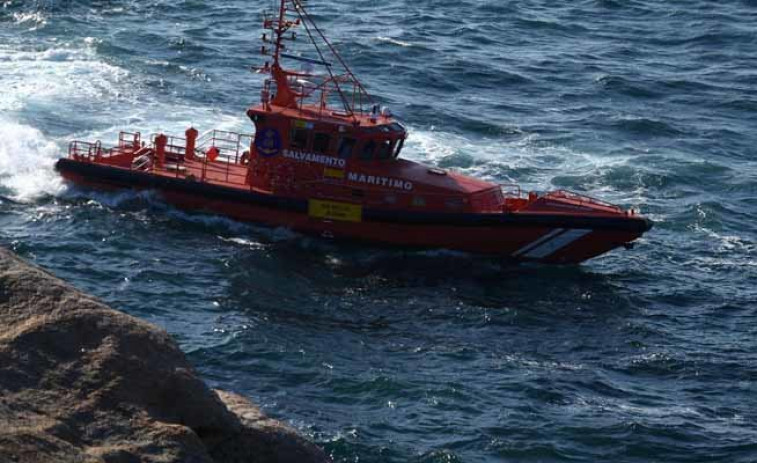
point(80, 382)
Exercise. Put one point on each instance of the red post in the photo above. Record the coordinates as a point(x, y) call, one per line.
point(160, 149)
point(191, 134)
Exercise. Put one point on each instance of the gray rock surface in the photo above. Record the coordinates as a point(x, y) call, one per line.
point(80, 382)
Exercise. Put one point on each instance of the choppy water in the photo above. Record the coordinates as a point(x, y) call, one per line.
point(648, 355)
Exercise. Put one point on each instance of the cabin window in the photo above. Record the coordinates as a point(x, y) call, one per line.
point(299, 139)
point(399, 148)
point(321, 142)
point(384, 149)
point(346, 145)
point(368, 148)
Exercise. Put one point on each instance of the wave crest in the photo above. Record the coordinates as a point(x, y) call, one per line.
point(26, 162)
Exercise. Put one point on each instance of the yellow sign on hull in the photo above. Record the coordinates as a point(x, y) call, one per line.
point(333, 210)
point(333, 173)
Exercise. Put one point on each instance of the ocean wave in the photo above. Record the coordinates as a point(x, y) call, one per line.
point(628, 87)
point(34, 19)
point(646, 126)
point(638, 102)
point(26, 162)
point(56, 74)
point(394, 41)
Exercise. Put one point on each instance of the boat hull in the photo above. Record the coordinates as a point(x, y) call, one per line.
point(542, 237)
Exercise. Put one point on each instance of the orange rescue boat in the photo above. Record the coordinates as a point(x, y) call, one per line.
point(325, 159)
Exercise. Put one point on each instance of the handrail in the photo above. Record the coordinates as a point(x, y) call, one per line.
point(230, 145)
point(135, 139)
point(511, 190)
point(87, 150)
point(580, 198)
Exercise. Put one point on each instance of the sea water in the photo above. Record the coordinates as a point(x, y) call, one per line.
point(390, 356)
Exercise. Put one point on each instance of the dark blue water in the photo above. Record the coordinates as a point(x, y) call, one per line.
point(643, 355)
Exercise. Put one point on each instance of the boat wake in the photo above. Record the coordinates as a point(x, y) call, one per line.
point(26, 163)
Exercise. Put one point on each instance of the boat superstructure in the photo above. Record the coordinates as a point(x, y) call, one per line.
point(325, 159)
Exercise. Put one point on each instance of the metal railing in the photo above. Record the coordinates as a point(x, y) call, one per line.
point(176, 147)
point(230, 145)
point(511, 190)
point(87, 151)
point(581, 199)
point(129, 139)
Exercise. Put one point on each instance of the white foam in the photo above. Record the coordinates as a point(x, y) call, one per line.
point(537, 163)
point(26, 162)
point(58, 77)
point(727, 250)
point(429, 145)
point(394, 41)
point(34, 18)
point(34, 78)
point(55, 74)
point(255, 245)
point(113, 199)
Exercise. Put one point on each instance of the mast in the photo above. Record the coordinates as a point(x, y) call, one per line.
point(284, 95)
point(292, 90)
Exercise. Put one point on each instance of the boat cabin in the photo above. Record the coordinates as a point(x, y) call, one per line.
point(371, 139)
point(319, 134)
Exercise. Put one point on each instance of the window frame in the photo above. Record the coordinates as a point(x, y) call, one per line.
point(340, 147)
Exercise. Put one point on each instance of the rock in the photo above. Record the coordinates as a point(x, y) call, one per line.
point(80, 382)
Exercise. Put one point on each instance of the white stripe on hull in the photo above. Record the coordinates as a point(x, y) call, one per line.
point(548, 248)
point(539, 241)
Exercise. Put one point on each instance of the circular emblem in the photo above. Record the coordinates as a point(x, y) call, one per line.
point(268, 143)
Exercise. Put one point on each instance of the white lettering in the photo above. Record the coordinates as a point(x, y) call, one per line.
point(351, 176)
point(315, 158)
point(380, 181)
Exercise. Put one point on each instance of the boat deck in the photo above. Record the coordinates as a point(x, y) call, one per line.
point(228, 174)
point(227, 169)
